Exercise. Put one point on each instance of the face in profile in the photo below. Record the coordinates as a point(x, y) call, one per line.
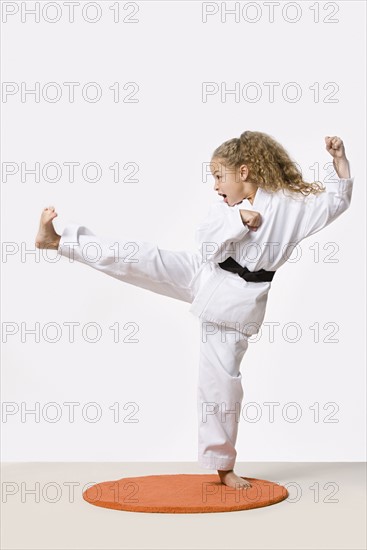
point(231, 183)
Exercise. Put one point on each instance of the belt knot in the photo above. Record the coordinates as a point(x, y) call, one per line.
point(259, 276)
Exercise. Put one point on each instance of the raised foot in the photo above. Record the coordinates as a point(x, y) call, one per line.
point(47, 236)
point(229, 478)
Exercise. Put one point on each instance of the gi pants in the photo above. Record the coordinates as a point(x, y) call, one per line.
point(179, 275)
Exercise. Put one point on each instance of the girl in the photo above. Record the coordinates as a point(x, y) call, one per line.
point(264, 209)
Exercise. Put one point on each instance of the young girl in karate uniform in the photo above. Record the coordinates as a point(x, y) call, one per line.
point(263, 210)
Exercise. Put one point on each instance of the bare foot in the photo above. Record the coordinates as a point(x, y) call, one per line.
point(229, 478)
point(47, 236)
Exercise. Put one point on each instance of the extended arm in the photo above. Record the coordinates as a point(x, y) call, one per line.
point(327, 206)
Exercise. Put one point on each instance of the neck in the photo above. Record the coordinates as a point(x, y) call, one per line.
point(252, 197)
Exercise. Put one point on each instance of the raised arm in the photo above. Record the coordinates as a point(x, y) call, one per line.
point(327, 206)
point(335, 146)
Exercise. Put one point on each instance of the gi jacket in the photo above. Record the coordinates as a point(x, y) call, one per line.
point(287, 218)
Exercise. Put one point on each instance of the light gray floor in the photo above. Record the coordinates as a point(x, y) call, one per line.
point(326, 510)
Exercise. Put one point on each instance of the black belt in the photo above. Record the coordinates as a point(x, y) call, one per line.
point(260, 276)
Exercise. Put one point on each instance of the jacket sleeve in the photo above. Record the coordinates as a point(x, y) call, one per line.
point(324, 208)
point(222, 227)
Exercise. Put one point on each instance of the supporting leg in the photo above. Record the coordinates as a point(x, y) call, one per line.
point(220, 395)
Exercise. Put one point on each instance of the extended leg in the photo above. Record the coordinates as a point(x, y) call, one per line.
point(140, 263)
point(220, 395)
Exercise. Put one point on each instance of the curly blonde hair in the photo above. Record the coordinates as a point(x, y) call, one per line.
point(269, 164)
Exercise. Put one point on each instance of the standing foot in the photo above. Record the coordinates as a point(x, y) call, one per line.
point(229, 478)
point(47, 236)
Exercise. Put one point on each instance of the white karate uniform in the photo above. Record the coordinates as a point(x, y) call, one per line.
point(229, 308)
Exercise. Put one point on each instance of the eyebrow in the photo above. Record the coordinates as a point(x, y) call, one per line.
point(216, 172)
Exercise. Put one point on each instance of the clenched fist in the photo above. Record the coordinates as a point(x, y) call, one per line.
point(335, 146)
point(251, 219)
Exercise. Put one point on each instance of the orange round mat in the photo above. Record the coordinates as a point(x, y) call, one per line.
point(182, 494)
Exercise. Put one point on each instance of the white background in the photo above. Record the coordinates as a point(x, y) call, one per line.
point(170, 133)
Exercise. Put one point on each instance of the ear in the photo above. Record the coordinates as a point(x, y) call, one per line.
point(243, 172)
